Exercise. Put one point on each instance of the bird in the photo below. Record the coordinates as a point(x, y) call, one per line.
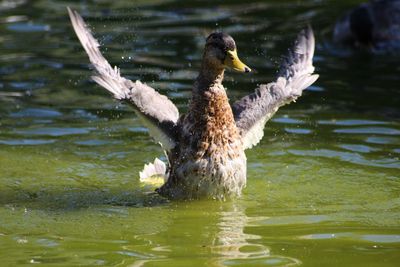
point(374, 25)
point(205, 148)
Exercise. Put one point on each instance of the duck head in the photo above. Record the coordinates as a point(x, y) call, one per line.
point(220, 52)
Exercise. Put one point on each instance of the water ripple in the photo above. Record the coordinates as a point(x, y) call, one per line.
point(96, 142)
point(348, 157)
point(374, 238)
point(36, 113)
point(358, 148)
point(29, 27)
point(298, 130)
point(369, 130)
point(54, 131)
point(29, 142)
point(382, 140)
point(351, 122)
point(287, 120)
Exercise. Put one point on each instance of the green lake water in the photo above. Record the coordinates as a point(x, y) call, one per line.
point(323, 185)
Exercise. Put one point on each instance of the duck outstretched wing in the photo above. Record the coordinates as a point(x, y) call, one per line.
point(156, 111)
point(296, 74)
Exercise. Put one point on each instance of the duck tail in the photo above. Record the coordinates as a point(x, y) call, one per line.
point(154, 173)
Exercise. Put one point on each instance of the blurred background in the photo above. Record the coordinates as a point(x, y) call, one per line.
point(323, 185)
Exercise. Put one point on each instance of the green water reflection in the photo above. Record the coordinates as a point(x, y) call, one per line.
point(323, 185)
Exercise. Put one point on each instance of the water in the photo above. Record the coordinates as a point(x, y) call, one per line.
point(323, 185)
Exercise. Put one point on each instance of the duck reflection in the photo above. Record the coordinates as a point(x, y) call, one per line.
point(232, 246)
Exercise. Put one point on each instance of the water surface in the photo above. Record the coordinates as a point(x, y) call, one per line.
point(323, 185)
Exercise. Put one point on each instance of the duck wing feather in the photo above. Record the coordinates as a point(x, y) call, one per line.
point(156, 111)
point(296, 74)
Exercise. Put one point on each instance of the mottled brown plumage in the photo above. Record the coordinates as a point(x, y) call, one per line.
point(210, 160)
point(205, 147)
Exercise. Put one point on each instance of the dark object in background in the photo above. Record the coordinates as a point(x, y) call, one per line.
point(374, 25)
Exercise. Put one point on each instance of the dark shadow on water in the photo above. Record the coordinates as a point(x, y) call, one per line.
point(69, 199)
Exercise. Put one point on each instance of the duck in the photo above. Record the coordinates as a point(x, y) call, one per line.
point(374, 26)
point(205, 148)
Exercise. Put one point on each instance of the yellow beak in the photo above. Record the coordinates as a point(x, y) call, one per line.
point(232, 61)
